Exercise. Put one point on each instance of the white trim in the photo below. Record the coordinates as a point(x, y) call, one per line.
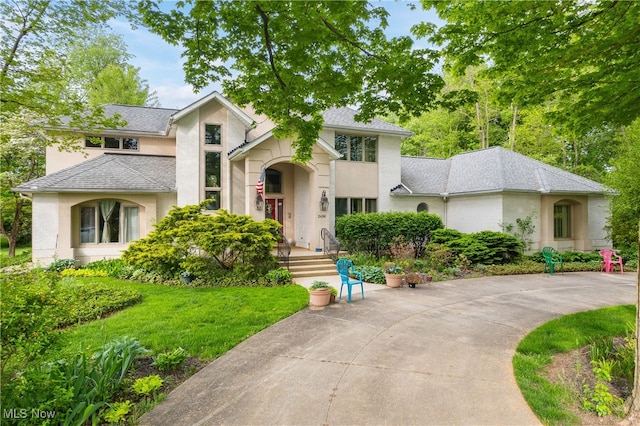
point(242, 116)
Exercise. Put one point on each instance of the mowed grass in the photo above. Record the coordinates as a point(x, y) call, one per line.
point(206, 322)
point(548, 400)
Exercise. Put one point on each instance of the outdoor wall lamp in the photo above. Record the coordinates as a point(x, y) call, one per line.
point(259, 202)
point(324, 202)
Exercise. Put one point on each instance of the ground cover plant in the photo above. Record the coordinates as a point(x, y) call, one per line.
point(578, 391)
point(182, 327)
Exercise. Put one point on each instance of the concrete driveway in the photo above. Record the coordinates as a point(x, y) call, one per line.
point(433, 355)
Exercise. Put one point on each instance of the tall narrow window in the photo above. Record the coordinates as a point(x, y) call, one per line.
point(562, 221)
point(341, 146)
point(131, 224)
point(212, 134)
point(355, 148)
point(88, 225)
point(109, 221)
point(370, 149)
point(356, 205)
point(342, 206)
point(212, 169)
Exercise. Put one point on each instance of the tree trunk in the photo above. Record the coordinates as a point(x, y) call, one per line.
point(512, 133)
point(15, 228)
point(635, 403)
point(481, 131)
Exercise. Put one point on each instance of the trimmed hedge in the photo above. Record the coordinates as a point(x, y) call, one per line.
point(374, 233)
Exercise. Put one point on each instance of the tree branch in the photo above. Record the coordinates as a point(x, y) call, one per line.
point(269, 45)
point(26, 28)
point(348, 41)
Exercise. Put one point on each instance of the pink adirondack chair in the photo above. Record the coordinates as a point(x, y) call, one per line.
point(609, 261)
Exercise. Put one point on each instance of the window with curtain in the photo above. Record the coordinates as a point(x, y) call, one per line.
point(108, 221)
point(355, 205)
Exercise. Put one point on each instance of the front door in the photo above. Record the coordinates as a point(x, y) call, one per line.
point(274, 209)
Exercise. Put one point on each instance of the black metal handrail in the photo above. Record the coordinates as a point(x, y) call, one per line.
point(284, 250)
point(330, 243)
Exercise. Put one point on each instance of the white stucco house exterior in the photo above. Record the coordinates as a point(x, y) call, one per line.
point(92, 204)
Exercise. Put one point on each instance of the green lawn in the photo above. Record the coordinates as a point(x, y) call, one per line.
point(548, 400)
point(207, 322)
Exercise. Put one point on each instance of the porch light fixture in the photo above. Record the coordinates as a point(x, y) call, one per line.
point(259, 202)
point(324, 202)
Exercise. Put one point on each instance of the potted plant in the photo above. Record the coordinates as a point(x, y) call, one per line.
point(393, 274)
point(319, 293)
point(334, 294)
point(186, 277)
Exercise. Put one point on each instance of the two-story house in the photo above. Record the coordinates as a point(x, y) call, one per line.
point(92, 204)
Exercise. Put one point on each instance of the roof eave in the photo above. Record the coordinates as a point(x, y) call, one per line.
point(369, 130)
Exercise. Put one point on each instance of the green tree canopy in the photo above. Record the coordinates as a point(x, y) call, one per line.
point(585, 54)
point(294, 59)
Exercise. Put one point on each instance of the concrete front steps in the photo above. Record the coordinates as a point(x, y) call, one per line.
point(311, 265)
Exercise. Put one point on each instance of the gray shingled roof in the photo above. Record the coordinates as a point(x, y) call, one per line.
point(490, 170)
point(110, 173)
point(345, 118)
point(140, 120)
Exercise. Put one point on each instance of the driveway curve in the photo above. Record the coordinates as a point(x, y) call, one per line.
point(433, 355)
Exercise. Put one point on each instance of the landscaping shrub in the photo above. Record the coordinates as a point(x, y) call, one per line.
point(206, 245)
point(443, 236)
point(279, 276)
point(486, 247)
point(374, 233)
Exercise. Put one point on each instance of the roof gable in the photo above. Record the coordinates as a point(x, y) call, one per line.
point(235, 110)
point(110, 173)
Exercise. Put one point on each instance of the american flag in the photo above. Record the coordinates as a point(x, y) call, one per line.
point(260, 184)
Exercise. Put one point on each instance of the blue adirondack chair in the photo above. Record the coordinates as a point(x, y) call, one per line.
point(345, 267)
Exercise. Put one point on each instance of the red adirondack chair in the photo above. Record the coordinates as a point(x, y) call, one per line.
point(609, 261)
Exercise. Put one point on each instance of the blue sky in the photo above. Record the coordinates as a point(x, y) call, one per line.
point(161, 64)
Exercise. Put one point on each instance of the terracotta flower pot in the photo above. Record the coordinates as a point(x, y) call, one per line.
point(319, 297)
point(393, 280)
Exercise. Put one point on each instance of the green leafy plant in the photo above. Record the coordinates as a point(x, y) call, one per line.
point(75, 389)
point(170, 360)
point(279, 276)
point(148, 385)
point(117, 411)
point(393, 269)
point(61, 264)
point(371, 273)
point(317, 285)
